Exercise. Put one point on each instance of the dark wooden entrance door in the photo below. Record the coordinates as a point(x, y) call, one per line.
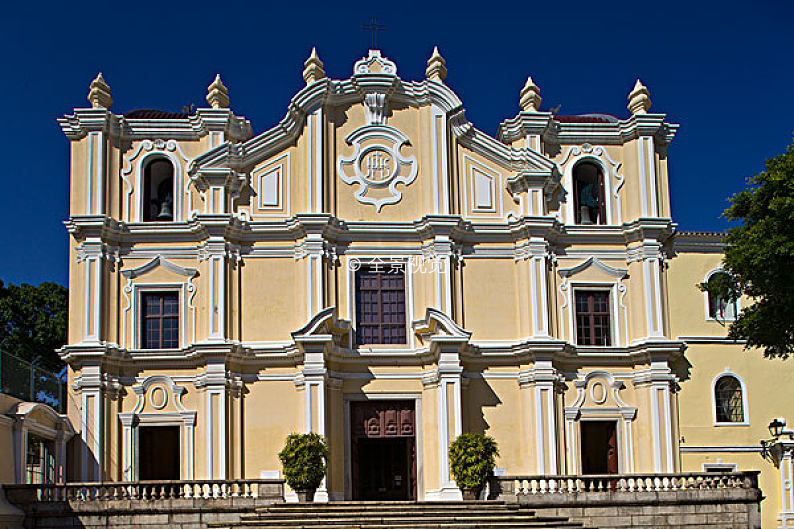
point(599, 447)
point(383, 450)
point(158, 452)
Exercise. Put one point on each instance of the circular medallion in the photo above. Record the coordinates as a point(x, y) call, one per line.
point(158, 397)
point(377, 166)
point(598, 392)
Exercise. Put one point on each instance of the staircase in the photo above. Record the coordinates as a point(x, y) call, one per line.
point(398, 515)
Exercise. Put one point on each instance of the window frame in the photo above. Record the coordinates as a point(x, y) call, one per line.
point(145, 191)
point(614, 327)
point(745, 404)
point(170, 151)
point(352, 264)
point(380, 289)
point(602, 190)
point(707, 301)
point(137, 313)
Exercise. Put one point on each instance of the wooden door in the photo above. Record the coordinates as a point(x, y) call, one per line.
point(383, 450)
point(158, 453)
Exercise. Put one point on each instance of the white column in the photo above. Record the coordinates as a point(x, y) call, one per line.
point(784, 450)
point(127, 447)
point(189, 420)
point(92, 317)
point(538, 291)
point(216, 324)
point(653, 292)
point(216, 432)
point(314, 161)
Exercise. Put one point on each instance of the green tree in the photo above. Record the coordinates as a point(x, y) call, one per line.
point(759, 259)
point(33, 322)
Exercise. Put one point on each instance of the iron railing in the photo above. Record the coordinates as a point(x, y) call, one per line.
point(27, 381)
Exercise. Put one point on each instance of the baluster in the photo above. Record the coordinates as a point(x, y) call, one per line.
point(532, 484)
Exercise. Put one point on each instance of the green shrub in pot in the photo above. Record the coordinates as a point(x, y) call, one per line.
point(303, 460)
point(472, 458)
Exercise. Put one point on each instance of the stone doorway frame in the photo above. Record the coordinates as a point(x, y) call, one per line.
point(419, 441)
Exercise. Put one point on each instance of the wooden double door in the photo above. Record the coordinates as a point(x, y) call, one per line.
point(383, 450)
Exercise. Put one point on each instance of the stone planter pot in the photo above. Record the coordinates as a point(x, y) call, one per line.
point(305, 495)
point(470, 494)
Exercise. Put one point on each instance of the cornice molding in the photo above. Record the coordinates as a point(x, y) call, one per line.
point(84, 120)
point(556, 132)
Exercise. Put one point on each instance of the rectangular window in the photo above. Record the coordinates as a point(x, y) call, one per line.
point(380, 306)
point(160, 320)
point(592, 318)
point(39, 461)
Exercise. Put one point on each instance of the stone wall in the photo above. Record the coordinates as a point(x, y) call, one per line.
point(172, 513)
point(721, 507)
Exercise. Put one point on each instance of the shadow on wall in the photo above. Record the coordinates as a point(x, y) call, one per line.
point(477, 396)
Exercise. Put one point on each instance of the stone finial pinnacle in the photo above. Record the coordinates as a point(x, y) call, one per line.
point(530, 96)
point(313, 68)
point(436, 66)
point(99, 93)
point(218, 94)
point(639, 99)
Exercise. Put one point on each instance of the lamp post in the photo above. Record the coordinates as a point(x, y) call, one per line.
point(780, 450)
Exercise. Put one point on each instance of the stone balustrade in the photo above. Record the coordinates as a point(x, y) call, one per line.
point(146, 490)
point(533, 485)
point(617, 501)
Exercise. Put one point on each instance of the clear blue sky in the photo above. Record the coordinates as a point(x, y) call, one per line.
point(723, 70)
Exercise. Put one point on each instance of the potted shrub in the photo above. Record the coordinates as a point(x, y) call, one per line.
point(472, 457)
point(303, 460)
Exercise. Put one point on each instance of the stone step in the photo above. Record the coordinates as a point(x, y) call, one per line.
point(388, 514)
point(393, 510)
point(392, 520)
point(535, 524)
point(398, 515)
point(340, 505)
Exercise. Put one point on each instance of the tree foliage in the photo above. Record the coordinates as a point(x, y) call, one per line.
point(472, 457)
point(759, 259)
point(303, 460)
point(33, 322)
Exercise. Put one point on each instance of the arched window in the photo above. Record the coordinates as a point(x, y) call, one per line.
point(728, 399)
point(719, 308)
point(588, 190)
point(158, 191)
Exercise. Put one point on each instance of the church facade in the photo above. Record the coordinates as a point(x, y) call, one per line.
point(376, 269)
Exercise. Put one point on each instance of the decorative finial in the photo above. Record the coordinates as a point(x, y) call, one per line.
point(99, 93)
point(639, 99)
point(530, 96)
point(313, 68)
point(436, 66)
point(218, 94)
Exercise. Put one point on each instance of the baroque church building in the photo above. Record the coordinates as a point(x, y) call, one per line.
point(376, 269)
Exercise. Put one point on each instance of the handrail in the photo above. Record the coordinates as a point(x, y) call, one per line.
point(146, 490)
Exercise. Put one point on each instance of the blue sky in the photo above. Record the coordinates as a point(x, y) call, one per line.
point(720, 69)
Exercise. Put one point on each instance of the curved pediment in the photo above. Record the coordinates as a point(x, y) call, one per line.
point(597, 264)
point(437, 323)
point(158, 261)
point(375, 85)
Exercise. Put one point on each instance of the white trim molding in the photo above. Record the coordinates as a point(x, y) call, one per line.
point(167, 410)
point(135, 161)
point(605, 404)
point(613, 180)
point(385, 165)
point(737, 304)
point(617, 292)
point(132, 292)
point(745, 404)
